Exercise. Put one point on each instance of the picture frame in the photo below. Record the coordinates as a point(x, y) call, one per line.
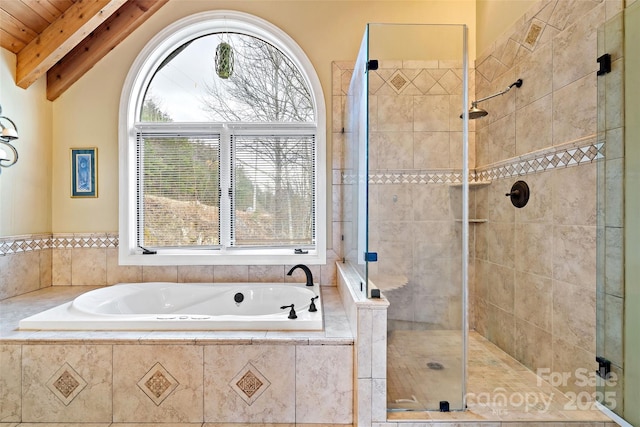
point(84, 172)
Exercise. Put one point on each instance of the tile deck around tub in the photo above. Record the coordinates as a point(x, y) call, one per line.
point(12, 310)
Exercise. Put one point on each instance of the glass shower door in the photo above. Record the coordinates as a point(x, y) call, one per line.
point(417, 163)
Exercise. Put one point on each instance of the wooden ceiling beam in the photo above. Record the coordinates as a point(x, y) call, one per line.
point(100, 42)
point(59, 38)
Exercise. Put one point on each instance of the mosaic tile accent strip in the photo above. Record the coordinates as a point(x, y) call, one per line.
point(20, 244)
point(158, 384)
point(24, 244)
point(559, 157)
point(249, 383)
point(543, 162)
point(66, 384)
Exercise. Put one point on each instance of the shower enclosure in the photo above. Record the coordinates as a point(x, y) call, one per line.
point(405, 200)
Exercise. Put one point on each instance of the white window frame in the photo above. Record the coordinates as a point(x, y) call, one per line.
point(131, 100)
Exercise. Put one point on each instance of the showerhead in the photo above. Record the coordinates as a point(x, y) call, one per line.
point(476, 113)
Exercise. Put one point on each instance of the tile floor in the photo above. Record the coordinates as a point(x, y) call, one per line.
point(499, 388)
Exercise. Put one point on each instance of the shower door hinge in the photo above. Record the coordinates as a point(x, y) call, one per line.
point(605, 64)
point(604, 367)
point(371, 256)
point(372, 65)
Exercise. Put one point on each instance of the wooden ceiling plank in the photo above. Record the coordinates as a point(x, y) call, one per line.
point(26, 15)
point(43, 8)
point(61, 5)
point(61, 37)
point(9, 42)
point(110, 33)
point(16, 28)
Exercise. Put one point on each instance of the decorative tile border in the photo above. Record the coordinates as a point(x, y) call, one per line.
point(18, 244)
point(571, 154)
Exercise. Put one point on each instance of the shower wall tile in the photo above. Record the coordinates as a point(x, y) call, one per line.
point(575, 48)
point(575, 110)
point(66, 383)
point(574, 254)
point(502, 138)
point(431, 150)
point(533, 301)
point(534, 249)
point(322, 376)
point(500, 288)
point(574, 315)
point(539, 209)
point(10, 383)
point(395, 113)
point(500, 238)
point(533, 126)
point(573, 189)
point(431, 113)
point(157, 383)
point(500, 328)
point(391, 150)
point(537, 80)
point(614, 192)
point(613, 333)
point(271, 399)
point(533, 346)
point(614, 261)
point(574, 363)
point(431, 202)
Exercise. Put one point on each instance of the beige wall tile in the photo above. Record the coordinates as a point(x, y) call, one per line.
point(160, 273)
point(87, 367)
point(231, 273)
point(10, 383)
point(534, 249)
point(500, 328)
point(574, 195)
point(61, 269)
point(536, 74)
point(395, 113)
point(500, 286)
point(533, 126)
point(431, 150)
point(613, 329)
point(274, 399)
point(575, 110)
point(613, 261)
point(574, 255)
point(575, 364)
point(324, 374)
point(18, 275)
point(195, 273)
point(533, 300)
point(117, 273)
point(89, 266)
point(574, 315)
point(533, 346)
point(158, 384)
point(575, 48)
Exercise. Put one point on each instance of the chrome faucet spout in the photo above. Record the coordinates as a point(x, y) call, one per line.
point(306, 270)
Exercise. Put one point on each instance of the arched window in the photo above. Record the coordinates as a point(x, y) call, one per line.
point(222, 147)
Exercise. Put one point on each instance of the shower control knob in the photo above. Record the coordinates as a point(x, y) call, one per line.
point(519, 194)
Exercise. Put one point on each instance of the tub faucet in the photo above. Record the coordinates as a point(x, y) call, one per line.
point(306, 270)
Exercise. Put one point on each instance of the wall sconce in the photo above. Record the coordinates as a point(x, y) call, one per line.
point(9, 134)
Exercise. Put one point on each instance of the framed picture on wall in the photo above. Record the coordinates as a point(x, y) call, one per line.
point(84, 172)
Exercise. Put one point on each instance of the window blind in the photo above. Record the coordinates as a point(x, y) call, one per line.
point(178, 198)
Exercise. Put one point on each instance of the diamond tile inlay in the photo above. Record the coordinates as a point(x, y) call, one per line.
point(249, 383)
point(158, 384)
point(66, 384)
point(398, 81)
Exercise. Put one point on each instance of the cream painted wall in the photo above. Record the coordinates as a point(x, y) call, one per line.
point(25, 188)
point(493, 17)
point(87, 114)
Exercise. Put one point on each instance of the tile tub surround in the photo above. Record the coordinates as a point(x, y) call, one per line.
point(32, 262)
point(173, 378)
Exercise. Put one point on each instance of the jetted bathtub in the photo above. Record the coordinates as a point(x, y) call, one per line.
point(161, 306)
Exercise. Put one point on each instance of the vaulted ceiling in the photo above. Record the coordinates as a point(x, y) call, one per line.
point(65, 38)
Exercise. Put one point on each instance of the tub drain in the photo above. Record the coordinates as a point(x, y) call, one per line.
point(436, 366)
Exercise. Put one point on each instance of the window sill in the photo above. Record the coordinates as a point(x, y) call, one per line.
point(217, 257)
